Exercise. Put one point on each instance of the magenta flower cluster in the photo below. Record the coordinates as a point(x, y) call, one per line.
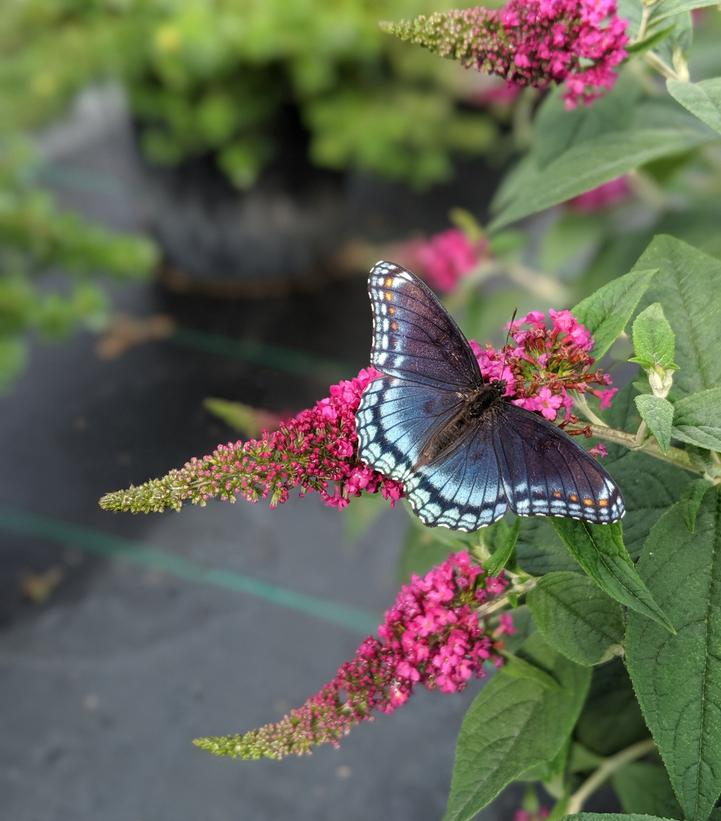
point(542, 365)
point(431, 636)
point(316, 450)
point(445, 258)
point(603, 196)
point(531, 42)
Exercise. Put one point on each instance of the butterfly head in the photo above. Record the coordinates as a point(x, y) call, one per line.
point(498, 386)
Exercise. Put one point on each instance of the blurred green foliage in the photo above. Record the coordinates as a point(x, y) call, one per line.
point(226, 77)
point(35, 237)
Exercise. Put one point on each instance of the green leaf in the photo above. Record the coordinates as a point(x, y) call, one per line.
point(538, 550)
point(614, 816)
point(504, 542)
point(649, 42)
point(657, 413)
point(688, 285)
point(611, 719)
point(690, 501)
point(600, 551)
point(576, 618)
point(606, 312)
point(524, 626)
point(678, 678)
point(649, 486)
point(614, 154)
point(645, 788)
point(654, 342)
point(702, 99)
point(517, 667)
point(697, 419)
point(668, 8)
point(513, 725)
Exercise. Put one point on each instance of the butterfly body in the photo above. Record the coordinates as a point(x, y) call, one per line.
point(463, 452)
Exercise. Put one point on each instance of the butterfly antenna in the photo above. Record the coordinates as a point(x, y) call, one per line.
point(508, 336)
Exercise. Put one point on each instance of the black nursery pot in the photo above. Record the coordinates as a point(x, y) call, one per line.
point(295, 228)
point(215, 239)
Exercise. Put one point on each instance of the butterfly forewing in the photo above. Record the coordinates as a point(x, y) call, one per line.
point(412, 338)
point(504, 457)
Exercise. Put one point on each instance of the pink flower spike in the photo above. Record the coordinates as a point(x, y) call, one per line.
point(385, 670)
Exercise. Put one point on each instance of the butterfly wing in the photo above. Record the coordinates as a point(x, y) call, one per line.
point(427, 368)
point(414, 337)
point(545, 473)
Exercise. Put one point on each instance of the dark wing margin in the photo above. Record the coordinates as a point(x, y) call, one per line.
point(546, 473)
point(414, 337)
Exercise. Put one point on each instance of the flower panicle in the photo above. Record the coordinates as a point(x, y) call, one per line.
point(315, 451)
point(530, 42)
point(544, 362)
point(431, 636)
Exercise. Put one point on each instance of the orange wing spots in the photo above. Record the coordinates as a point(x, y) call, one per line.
point(573, 497)
point(388, 282)
point(391, 310)
point(389, 296)
point(588, 502)
point(557, 494)
point(394, 325)
point(603, 502)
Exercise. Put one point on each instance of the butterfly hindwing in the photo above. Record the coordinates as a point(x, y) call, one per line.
point(464, 491)
point(414, 337)
point(545, 473)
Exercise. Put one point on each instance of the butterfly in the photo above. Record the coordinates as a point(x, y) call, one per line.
point(462, 451)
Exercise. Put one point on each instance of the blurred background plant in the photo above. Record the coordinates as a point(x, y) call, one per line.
point(38, 241)
point(228, 78)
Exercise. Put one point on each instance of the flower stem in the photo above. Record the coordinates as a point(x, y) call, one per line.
point(605, 771)
point(674, 456)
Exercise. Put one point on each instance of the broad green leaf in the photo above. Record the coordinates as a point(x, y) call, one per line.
point(518, 667)
point(654, 342)
point(697, 419)
point(678, 678)
point(702, 99)
point(668, 8)
point(538, 550)
point(513, 725)
point(614, 816)
point(649, 486)
point(657, 413)
point(600, 551)
point(614, 154)
point(645, 788)
point(688, 285)
point(607, 312)
point(690, 501)
point(611, 719)
point(576, 618)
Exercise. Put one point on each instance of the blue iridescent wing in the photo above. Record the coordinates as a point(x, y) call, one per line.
point(546, 473)
point(465, 490)
point(414, 337)
point(428, 367)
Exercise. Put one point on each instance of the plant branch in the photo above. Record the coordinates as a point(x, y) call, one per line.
point(605, 771)
point(675, 456)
